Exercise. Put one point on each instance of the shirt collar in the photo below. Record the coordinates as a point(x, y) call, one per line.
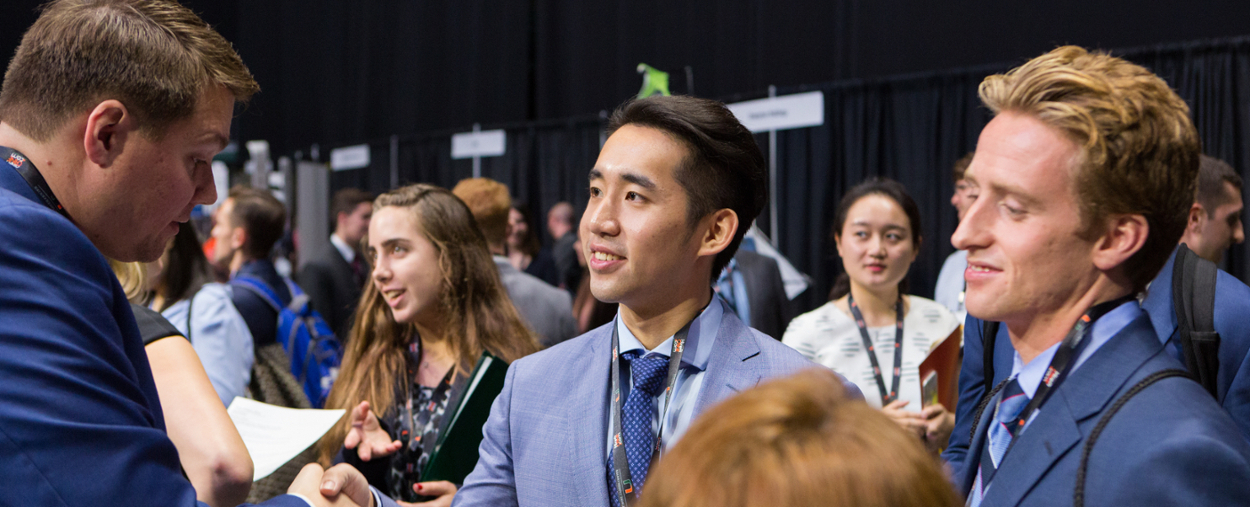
point(1158, 301)
point(699, 342)
point(730, 268)
point(348, 253)
point(1030, 375)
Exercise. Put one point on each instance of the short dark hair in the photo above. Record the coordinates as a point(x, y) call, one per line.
point(1213, 173)
point(961, 166)
point(155, 56)
point(346, 200)
point(260, 214)
point(724, 169)
point(874, 186)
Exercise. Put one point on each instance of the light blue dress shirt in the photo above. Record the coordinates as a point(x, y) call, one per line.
point(698, 349)
point(1030, 375)
point(219, 336)
point(950, 284)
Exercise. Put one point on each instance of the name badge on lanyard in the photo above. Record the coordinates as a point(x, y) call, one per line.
point(624, 482)
point(27, 169)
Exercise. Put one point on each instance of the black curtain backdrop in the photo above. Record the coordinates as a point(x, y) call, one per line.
point(336, 73)
point(910, 128)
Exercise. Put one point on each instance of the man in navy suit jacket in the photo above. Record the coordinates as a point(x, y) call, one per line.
point(1057, 246)
point(668, 207)
point(1213, 225)
point(98, 156)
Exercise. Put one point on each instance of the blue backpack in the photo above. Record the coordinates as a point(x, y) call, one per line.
point(314, 351)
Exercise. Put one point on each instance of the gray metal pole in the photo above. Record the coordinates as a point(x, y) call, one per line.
point(477, 159)
point(772, 180)
point(394, 162)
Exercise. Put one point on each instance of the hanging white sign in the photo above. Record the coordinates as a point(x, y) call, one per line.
point(781, 113)
point(349, 157)
point(487, 143)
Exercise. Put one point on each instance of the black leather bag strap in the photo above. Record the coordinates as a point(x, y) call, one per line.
point(1078, 497)
point(989, 336)
point(985, 400)
point(1193, 300)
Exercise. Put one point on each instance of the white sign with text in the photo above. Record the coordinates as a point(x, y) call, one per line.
point(349, 157)
point(487, 143)
point(781, 113)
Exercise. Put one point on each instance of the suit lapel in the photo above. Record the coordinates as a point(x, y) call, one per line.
point(1083, 396)
point(588, 417)
point(1047, 439)
point(973, 459)
point(730, 368)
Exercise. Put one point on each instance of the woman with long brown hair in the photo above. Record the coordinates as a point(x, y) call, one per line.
point(434, 306)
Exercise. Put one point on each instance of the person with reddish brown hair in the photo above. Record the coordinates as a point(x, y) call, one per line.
point(546, 310)
point(794, 442)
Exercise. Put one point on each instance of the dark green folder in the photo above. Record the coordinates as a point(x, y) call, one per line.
point(455, 454)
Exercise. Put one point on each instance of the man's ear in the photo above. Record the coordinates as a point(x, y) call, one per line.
point(718, 232)
point(1197, 215)
point(238, 237)
point(1125, 236)
point(109, 126)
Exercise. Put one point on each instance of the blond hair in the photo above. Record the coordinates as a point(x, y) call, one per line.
point(155, 56)
point(792, 442)
point(133, 277)
point(1139, 149)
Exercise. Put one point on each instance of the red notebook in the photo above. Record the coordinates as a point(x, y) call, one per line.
point(939, 372)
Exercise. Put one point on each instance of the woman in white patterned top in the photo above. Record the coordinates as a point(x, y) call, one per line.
point(877, 233)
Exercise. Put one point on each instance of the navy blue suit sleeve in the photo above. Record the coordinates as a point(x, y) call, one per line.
point(1232, 320)
point(971, 389)
point(80, 421)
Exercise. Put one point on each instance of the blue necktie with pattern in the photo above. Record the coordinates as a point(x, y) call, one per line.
point(638, 416)
point(1001, 431)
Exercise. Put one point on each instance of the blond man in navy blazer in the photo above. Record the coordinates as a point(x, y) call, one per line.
point(1084, 176)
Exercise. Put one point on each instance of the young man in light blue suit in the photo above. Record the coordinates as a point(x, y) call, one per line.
point(676, 185)
point(1085, 174)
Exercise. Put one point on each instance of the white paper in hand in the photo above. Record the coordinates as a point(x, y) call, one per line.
point(273, 435)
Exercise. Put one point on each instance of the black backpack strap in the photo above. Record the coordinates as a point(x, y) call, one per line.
point(985, 400)
point(190, 306)
point(989, 337)
point(1193, 301)
point(1078, 499)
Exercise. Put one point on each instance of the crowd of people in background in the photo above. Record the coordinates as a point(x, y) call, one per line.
point(653, 355)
